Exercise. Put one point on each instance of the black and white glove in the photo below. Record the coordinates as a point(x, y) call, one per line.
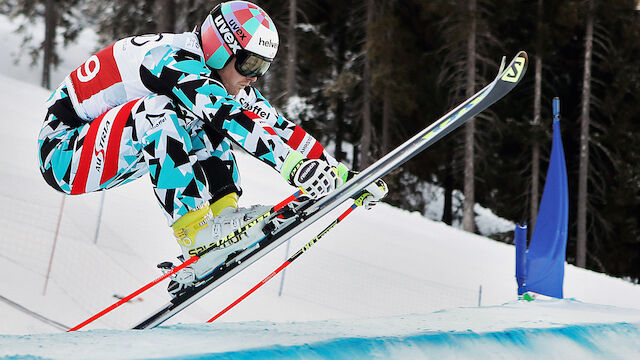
point(314, 177)
point(371, 195)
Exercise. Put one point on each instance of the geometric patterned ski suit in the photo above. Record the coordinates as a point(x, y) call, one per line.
point(149, 104)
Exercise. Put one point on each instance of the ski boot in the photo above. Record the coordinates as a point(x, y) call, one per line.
point(202, 231)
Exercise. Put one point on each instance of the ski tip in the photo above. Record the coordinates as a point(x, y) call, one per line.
point(516, 69)
point(522, 55)
point(502, 64)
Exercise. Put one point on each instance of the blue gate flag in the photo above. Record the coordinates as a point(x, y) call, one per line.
point(545, 257)
point(521, 257)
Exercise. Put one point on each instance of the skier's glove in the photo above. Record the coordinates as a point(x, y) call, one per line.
point(315, 177)
point(371, 195)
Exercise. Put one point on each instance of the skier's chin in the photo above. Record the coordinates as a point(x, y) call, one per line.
point(236, 89)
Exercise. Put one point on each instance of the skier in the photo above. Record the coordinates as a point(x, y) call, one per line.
point(172, 105)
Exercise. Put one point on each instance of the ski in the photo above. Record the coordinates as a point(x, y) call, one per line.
point(169, 269)
point(506, 80)
point(233, 265)
point(287, 262)
point(503, 83)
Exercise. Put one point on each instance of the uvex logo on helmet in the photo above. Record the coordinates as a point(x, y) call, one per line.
point(226, 33)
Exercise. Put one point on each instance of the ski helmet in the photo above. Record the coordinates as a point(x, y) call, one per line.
point(240, 29)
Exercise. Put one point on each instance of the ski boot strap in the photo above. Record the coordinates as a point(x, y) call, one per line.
point(186, 228)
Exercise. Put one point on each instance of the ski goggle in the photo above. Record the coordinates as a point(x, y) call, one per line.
point(251, 65)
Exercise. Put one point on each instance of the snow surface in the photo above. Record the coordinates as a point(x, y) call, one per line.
point(384, 283)
point(544, 330)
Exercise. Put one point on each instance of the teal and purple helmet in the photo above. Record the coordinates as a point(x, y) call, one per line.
point(240, 29)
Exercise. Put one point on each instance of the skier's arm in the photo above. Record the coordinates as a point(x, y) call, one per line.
point(306, 144)
point(296, 137)
point(183, 76)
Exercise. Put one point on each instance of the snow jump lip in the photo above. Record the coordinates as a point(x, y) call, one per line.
point(546, 329)
point(620, 340)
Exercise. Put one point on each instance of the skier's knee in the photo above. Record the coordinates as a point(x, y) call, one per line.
point(160, 102)
point(157, 113)
point(50, 178)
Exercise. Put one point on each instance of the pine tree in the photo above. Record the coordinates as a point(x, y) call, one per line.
point(366, 139)
point(63, 19)
point(581, 249)
point(536, 122)
point(118, 19)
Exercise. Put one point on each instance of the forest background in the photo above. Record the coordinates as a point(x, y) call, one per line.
point(363, 76)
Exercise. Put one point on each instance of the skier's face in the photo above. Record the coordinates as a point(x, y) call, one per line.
point(232, 80)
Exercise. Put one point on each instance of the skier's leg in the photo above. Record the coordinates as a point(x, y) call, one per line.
point(219, 165)
point(177, 177)
point(214, 153)
point(121, 145)
point(58, 139)
point(181, 185)
point(78, 156)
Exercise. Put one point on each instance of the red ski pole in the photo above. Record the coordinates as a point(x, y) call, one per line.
point(286, 263)
point(135, 293)
point(166, 275)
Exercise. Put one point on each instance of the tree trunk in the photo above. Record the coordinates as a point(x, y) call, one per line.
point(387, 105)
point(292, 50)
point(468, 221)
point(49, 44)
point(583, 170)
point(339, 112)
point(535, 146)
point(387, 119)
point(367, 131)
point(447, 211)
point(340, 131)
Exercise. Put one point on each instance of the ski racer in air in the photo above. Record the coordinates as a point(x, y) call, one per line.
point(172, 105)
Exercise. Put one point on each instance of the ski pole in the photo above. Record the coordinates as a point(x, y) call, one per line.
point(287, 262)
point(135, 293)
point(146, 287)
